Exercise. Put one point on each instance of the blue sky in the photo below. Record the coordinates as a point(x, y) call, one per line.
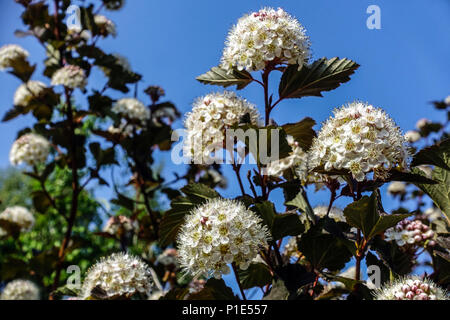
point(404, 66)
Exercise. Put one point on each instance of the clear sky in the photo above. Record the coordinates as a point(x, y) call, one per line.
point(404, 66)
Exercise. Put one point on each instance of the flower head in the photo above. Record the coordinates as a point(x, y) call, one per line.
point(132, 109)
point(27, 92)
point(412, 136)
point(20, 290)
point(70, 76)
point(411, 288)
point(410, 232)
point(265, 36)
point(118, 275)
point(18, 216)
point(422, 123)
point(361, 139)
point(217, 233)
point(105, 26)
point(397, 187)
point(10, 54)
point(335, 213)
point(211, 115)
point(30, 149)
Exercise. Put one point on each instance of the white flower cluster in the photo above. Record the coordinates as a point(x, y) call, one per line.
point(118, 275)
point(20, 290)
point(18, 216)
point(119, 225)
point(291, 248)
point(396, 188)
point(268, 35)
point(106, 26)
point(412, 136)
point(411, 288)
point(70, 76)
point(30, 149)
point(410, 232)
point(11, 54)
point(362, 139)
point(433, 214)
point(447, 101)
point(335, 213)
point(211, 115)
point(217, 233)
point(169, 257)
point(132, 109)
point(422, 123)
point(296, 158)
point(28, 91)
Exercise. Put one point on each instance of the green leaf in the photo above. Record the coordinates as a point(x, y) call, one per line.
point(278, 291)
point(301, 202)
point(440, 192)
point(257, 275)
point(220, 77)
point(287, 224)
point(214, 290)
point(434, 155)
point(279, 225)
point(363, 214)
point(199, 192)
point(324, 250)
point(323, 75)
point(302, 132)
point(393, 256)
point(40, 201)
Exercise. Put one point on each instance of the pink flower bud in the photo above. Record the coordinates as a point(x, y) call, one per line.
point(424, 287)
point(410, 295)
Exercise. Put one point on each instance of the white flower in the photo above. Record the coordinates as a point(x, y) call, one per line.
point(268, 35)
point(30, 149)
point(412, 136)
point(131, 109)
point(447, 101)
point(217, 233)
point(411, 288)
point(296, 158)
point(10, 54)
point(335, 213)
point(410, 232)
point(106, 26)
point(422, 123)
point(361, 139)
point(20, 290)
point(118, 275)
point(211, 115)
point(18, 216)
point(433, 213)
point(396, 187)
point(70, 76)
point(28, 91)
point(291, 248)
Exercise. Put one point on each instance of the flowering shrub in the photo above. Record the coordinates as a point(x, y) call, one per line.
point(162, 240)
